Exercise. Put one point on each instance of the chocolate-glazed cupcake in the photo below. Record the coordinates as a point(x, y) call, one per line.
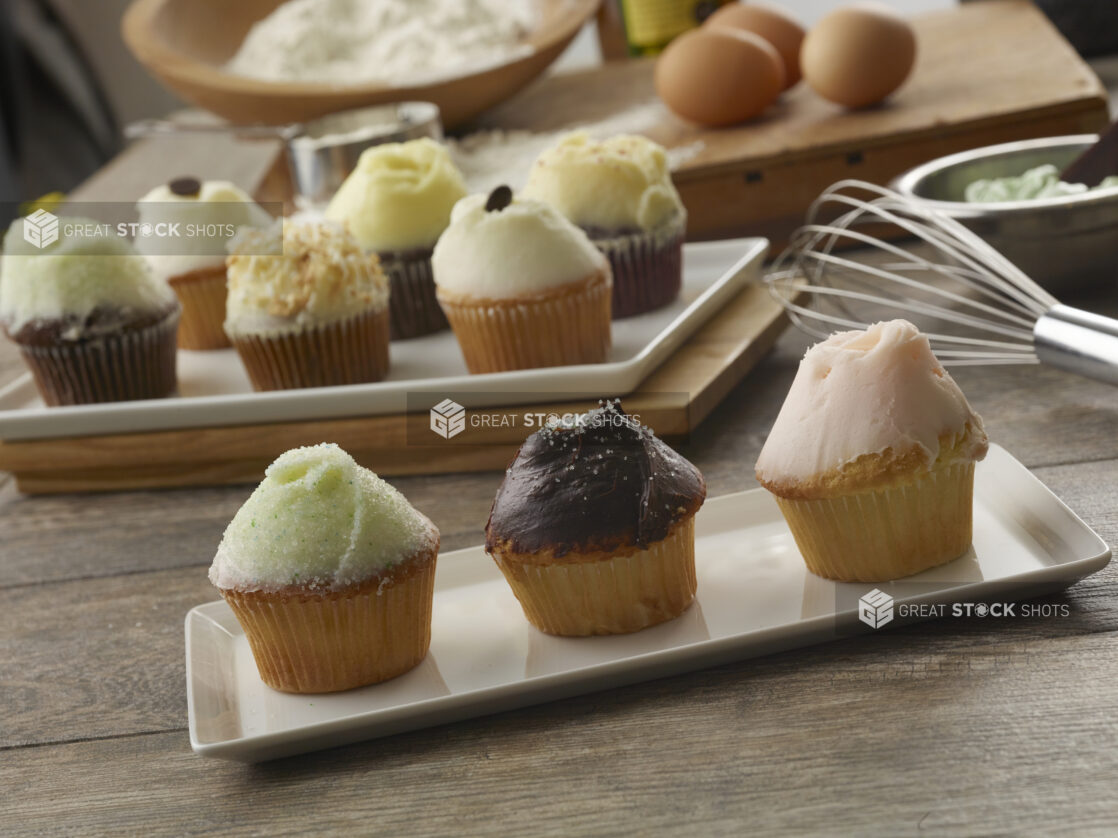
point(593, 526)
point(92, 321)
point(397, 202)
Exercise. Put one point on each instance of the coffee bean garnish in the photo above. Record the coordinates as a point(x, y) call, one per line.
point(499, 198)
point(185, 186)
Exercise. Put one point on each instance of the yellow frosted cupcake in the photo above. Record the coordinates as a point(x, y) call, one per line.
point(307, 307)
point(330, 572)
point(620, 192)
point(521, 286)
point(194, 265)
point(593, 527)
point(871, 458)
point(397, 202)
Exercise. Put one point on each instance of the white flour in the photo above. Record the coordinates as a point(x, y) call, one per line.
point(490, 158)
point(388, 41)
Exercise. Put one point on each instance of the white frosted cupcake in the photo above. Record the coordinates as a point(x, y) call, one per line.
point(194, 265)
point(397, 202)
point(871, 458)
point(330, 572)
point(521, 286)
point(307, 307)
point(620, 192)
point(91, 320)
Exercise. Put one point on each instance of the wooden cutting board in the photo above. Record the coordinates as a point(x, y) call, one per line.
point(986, 72)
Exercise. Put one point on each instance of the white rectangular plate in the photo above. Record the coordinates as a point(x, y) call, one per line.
point(214, 389)
point(755, 597)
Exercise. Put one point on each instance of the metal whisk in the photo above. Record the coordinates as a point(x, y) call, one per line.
point(975, 306)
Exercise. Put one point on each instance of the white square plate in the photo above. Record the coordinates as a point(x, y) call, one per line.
point(755, 597)
point(214, 389)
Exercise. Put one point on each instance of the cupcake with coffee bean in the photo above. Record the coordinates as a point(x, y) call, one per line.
point(593, 526)
point(521, 286)
point(620, 192)
point(206, 215)
point(397, 202)
point(91, 320)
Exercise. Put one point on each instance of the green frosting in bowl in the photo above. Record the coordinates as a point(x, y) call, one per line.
point(1040, 182)
point(318, 521)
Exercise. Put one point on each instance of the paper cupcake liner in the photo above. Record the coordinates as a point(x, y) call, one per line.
point(412, 304)
point(614, 595)
point(130, 364)
point(647, 268)
point(571, 326)
point(319, 643)
point(884, 534)
point(349, 351)
point(202, 294)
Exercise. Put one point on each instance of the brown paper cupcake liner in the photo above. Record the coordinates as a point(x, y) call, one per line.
point(878, 535)
point(202, 294)
point(413, 306)
point(614, 595)
point(570, 325)
point(124, 366)
point(339, 640)
point(647, 268)
point(349, 351)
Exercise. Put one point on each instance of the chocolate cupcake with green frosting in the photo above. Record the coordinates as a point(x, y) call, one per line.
point(91, 320)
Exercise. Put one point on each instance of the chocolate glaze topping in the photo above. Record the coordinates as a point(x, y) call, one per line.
point(599, 485)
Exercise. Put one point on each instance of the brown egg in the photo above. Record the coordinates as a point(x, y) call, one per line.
point(859, 54)
point(772, 24)
point(719, 76)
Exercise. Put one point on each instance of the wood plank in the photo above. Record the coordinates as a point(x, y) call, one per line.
point(976, 725)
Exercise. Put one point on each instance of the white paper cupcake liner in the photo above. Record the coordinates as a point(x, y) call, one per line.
point(878, 535)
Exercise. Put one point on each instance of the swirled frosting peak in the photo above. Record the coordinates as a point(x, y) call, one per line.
point(875, 392)
point(319, 521)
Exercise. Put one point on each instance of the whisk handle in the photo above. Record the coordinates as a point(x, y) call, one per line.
point(1078, 341)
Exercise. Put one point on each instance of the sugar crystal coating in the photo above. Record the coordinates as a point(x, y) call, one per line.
point(320, 521)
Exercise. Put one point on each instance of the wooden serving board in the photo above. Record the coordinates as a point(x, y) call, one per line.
point(673, 401)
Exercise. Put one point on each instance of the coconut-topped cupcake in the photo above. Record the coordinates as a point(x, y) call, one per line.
point(872, 456)
point(620, 192)
point(521, 285)
point(330, 571)
point(397, 202)
point(593, 526)
point(92, 321)
point(194, 265)
point(307, 307)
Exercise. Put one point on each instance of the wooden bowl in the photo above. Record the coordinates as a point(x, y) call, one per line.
point(186, 43)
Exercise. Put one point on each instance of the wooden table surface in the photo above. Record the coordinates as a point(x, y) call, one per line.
point(958, 726)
